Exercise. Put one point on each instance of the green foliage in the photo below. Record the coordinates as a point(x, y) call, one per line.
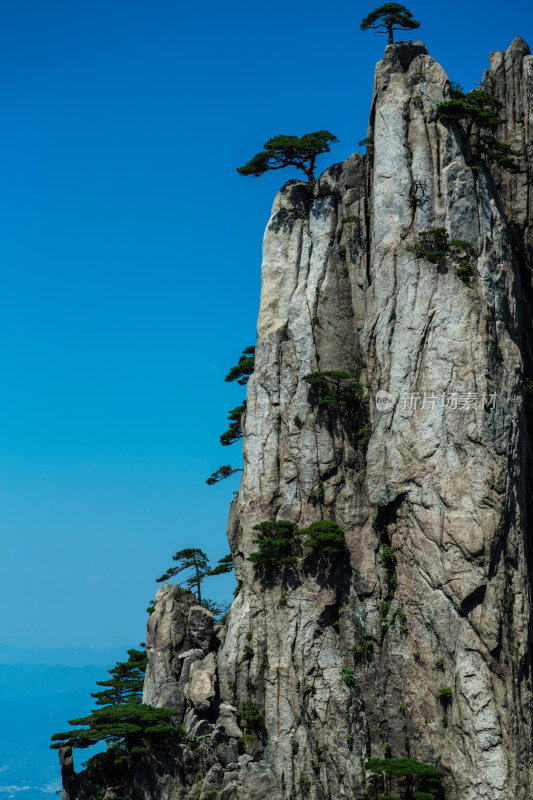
point(351, 218)
point(389, 18)
point(249, 712)
point(219, 610)
point(326, 538)
point(363, 437)
point(335, 388)
point(503, 154)
point(193, 559)
point(350, 740)
point(290, 151)
point(126, 682)
point(387, 557)
point(464, 272)
point(298, 422)
point(417, 781)
point(241, 372)
point(295, 746)
point(127, 726)
point(445, 693)
point(479, 108)
point(439, 663)
point(434, 246)
point(402, 616)
point(221, 474)
point(348, 676)
point(275, 545)
point(420, 75)
point(366, 141)
point(362, 650)
point(224, 566)
point(234, 432)
point(320, 494)
point(247, 653)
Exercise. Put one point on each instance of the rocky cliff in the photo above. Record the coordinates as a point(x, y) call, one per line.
point(417, 643)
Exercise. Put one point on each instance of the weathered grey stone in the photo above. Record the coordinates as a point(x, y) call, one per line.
point(166, 636)
point(201, 686)
point(228, 752)
point(228, 719)
point(200, 627)
point(212, 781)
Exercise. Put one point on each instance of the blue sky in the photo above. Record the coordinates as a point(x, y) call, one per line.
point(131, 251)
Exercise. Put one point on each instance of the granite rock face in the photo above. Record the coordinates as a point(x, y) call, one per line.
point(347, 658)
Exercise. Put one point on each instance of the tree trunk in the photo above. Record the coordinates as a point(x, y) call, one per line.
point(198, 582)
point(391, 37)
point(310, 176)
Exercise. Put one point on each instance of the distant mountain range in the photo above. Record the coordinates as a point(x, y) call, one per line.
point(40, 690)
point(67, 656)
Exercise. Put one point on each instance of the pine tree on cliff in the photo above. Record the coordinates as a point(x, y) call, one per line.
point(290, 151)
point(234, 432)
point(128, 727)
point(242, 371)
point(388, 18)
point(191, 558)
point(223, 567)
point(220, 474)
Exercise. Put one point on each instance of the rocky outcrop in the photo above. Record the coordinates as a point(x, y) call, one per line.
point(417, 642)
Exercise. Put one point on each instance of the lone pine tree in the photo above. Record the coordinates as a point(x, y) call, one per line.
point(388, 18)
point(193, 559)
point(290, 151)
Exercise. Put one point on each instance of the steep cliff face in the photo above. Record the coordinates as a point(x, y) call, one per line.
point(444, 474)
point(431, 487)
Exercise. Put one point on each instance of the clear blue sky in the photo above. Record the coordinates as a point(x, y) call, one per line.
point(131, 251)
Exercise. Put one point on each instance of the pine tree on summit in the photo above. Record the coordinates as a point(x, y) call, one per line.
point(391, 17)
point(191, 558)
